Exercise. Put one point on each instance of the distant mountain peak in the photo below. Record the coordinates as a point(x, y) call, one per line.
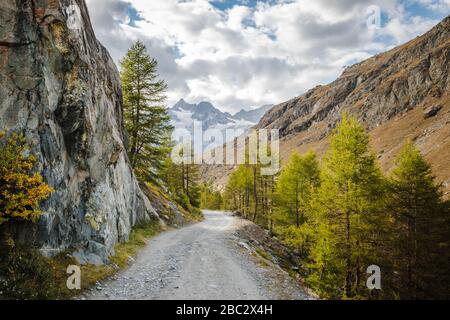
point(252, 115)
point(184, 114)
point(205, 106)
point(183, 105)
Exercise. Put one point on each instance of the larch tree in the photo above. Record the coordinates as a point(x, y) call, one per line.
point(245, 187)
point(268, 191)
point(420, 246)
point(146, 117)
point(191, 183)
point(344, 207)
point(295, 186)
point(239, 190)
point(182, 183)
point(210, 198)
point(231, 193)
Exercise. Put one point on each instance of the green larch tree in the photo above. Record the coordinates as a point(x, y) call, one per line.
point(239, 190)
point(146, 118)
point(191, 183)
point(210, 198)
point(420, 235)
point(345, 205)
point(296, 184)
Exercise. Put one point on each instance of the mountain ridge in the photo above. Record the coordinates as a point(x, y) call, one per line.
point(183, 115)
point(391, 93)
point(254, 113)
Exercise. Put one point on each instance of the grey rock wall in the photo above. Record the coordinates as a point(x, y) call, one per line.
point(60, 87)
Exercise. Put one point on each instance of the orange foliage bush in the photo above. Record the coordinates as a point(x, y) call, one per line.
point(21, 190)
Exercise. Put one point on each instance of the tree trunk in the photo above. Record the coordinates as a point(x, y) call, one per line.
point(137, 119)
point(183, 181)
point(187, 180)
point(297, 209)
point(272, 192)
point(348, 278)
point(255, 193)
point(358, 270)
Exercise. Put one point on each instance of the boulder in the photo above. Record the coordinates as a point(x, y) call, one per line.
point(431, 111)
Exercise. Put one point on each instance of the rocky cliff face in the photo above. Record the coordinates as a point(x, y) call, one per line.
point(376, 90)
point(60, 88)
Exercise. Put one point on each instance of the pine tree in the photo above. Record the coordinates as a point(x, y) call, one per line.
point(239, 190)
point(268, 188)
point(231, 194)
point(245, 187)
point(421, 229)
point(210, 199)
point(295, 186)
point(191, 183)
point(182, 182)
point(146, 118)
point(256, 177)
point(347, 202)
point(171, 176)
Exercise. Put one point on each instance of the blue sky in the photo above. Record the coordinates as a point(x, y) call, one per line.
point(224, 5)
point(133, 15)
point(246, 53)
point(414, 7)
point(417, 8)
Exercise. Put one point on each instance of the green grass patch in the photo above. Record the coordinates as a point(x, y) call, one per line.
point(26, 274)
point(263, 254)
point(163, 204)
point(138, 239)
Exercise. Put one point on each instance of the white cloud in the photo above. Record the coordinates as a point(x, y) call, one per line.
point(249, 56)
point(436, 5)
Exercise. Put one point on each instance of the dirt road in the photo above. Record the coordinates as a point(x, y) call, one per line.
point(202, 261)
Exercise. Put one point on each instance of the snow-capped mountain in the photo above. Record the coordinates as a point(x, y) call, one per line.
point(184, 114)
point(252, 115)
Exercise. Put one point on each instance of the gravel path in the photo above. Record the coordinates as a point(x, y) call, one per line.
point(202, 261)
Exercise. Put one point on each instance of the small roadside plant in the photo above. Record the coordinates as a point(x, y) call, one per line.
point(21, 189)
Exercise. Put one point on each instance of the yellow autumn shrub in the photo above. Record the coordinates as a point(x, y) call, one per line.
point(21, 190)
